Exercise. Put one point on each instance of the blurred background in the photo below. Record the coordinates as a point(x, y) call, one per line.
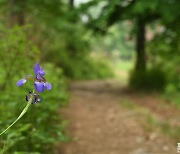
point(114, 68)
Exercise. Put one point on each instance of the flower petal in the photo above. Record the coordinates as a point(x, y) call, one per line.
point(21, 82)
point(36, 68)
point(41, 72)
point(39, 86)
point(48, 86)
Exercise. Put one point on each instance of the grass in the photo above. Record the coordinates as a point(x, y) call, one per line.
point(127, 104)
point(150, 122)
point(124, 65)
point(122, 69)
point(172, 98)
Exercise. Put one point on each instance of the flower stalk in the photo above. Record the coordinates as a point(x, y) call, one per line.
point(20, 116)
point(32, 97)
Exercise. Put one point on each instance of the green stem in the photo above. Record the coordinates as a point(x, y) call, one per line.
point(22, 113)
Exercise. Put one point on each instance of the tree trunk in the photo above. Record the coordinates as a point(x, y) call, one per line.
point(140, 45)
point(71, 4)
point(16, 12)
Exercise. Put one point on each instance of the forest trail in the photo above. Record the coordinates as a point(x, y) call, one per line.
point(107, 118)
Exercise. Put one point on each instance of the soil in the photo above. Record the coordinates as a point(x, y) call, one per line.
point(99, 124)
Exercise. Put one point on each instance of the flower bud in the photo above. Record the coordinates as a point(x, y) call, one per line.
point(35, 98)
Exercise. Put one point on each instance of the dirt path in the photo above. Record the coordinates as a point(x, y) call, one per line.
point(104, 121)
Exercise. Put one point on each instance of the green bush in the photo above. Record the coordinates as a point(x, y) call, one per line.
point(42, 126)
point(164, 50)
point(152, 79)
point(89, 68)
point(70, 50)
point(17, 53)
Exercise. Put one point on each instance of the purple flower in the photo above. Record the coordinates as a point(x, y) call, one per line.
point(39, 81)
point(21, 82)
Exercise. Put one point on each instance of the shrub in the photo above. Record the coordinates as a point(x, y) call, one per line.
point(41, 127)
point(152, 79)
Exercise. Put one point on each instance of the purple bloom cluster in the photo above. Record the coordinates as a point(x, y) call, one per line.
point(39, 81)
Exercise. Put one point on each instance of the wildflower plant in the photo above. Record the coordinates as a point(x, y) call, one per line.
point(32, 97)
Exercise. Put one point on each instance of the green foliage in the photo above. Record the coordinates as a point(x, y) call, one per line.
point(41, 127)
point(88, 68)
point(71, 53)
point(96, 69)
point(15, 52)
point(164, 49)
point(124, 65)
point(60, 34)
point(117, 41)
point(153, 79)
